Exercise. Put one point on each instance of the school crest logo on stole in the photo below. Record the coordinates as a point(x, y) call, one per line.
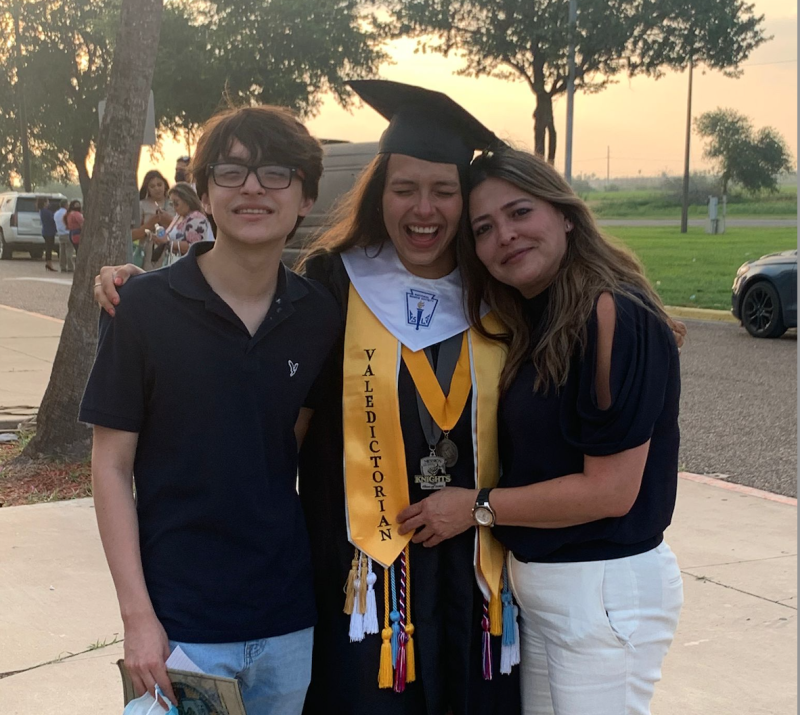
point(420, 307)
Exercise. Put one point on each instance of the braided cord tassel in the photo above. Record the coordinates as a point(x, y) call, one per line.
point(487, 642)
point(402, 638)
point(349, 589)
point(411, 668)
point(371, 615)
point(394, 616)
point(385, 670)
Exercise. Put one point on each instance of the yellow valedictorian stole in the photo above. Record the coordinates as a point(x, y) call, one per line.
point(376, 475)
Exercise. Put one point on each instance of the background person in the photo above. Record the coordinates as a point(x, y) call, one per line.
point(588, 426)
point(48, 231)
point(66, 252)
point(74, 222)
point(154, 208)
point(190, 223)
point(182, 172)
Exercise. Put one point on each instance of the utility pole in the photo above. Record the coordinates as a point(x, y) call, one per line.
point(23, 113)
point(608, 167)
point(685, 200)
point(573, 16)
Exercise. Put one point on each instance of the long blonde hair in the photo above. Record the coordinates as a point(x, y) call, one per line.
point(591, 265)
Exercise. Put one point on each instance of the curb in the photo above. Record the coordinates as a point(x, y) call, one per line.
point(722, 316)
point(738, 488)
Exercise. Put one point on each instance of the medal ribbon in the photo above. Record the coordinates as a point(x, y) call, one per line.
point(445, 411)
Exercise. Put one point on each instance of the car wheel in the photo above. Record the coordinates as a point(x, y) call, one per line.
point(761, 311)
point(5, 252)
point(36, 254)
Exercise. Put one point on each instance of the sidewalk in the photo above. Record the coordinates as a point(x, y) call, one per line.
point(28, 344)
point(735, 650)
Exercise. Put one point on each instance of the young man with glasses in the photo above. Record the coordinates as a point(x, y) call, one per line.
point(200, 386)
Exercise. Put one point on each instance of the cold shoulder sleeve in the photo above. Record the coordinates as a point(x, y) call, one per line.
point(642, 350)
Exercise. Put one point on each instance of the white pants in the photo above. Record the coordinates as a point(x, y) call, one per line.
point(594, 633)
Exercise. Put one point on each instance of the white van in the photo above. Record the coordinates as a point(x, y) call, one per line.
point(342, 163)
point(20, 225)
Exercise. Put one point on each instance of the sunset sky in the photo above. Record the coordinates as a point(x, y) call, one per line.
point(642, 121)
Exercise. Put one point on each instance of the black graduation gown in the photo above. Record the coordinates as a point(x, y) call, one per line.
point(446, 604)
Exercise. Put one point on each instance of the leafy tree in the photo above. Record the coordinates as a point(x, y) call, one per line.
point(278, 51)
point(751, 158)
point(528, 40)
point(105, 235)
point(286, 52)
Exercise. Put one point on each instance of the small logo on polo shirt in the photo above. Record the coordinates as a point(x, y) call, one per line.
point(293, 368)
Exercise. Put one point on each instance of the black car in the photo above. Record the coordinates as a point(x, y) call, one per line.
point(765, 294)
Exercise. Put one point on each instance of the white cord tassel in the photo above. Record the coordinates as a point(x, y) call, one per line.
point(371, 616)
point(356, 618)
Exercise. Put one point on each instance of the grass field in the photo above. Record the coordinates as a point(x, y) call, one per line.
point(696, 269)
point(659, 204)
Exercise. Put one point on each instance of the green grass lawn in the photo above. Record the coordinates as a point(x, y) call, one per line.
point(697, 269)
point(659, 204)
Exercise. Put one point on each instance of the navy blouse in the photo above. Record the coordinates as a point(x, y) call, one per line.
point(544, 436)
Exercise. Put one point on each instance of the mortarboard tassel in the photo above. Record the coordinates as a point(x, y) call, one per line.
point(385, 670)
point(371, 615)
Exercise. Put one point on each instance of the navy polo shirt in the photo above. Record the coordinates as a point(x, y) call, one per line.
point(223, 540)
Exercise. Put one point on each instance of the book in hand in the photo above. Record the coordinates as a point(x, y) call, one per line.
point(198, 693)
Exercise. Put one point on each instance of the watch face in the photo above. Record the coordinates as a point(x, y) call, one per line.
point(483, 516)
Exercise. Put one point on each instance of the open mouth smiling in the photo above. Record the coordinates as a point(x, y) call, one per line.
point(422, 234)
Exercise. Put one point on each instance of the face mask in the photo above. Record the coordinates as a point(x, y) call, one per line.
point(148, 705)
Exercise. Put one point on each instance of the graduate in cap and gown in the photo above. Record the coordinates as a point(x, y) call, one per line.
point(407, 406)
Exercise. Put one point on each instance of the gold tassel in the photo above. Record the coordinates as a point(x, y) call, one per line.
point(386, 671)
point(496, 615)
point(411, 668)
point(350, 588)
point(362, 592)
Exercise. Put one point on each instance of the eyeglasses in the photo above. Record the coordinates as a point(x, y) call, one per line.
point(232, 176)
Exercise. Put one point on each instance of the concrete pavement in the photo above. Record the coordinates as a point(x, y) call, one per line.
point(735, 649)
point(28, 344)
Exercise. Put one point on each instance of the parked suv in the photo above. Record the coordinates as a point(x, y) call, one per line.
point(20, 225)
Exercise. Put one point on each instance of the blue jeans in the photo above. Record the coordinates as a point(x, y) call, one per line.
point(274, 672)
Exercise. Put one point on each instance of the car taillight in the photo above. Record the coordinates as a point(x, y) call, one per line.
point(14, 220)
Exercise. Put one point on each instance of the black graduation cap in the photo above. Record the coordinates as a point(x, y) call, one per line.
point(424, 124)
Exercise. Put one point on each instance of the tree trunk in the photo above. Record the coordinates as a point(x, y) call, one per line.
point(551, 144)
point(106, 233)
point(543, 126)
point(79, 156)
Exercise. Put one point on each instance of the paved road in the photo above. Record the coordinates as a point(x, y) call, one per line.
point(739, 394)
point(730, 223)
point(25, 284)
point(739, 406)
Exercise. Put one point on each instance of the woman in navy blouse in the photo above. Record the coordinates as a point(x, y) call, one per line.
point(48, 231)
point(588, 429)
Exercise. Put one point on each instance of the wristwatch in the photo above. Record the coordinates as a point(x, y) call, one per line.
point(482, 512)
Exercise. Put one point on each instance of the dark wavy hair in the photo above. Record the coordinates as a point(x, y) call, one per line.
point(148, 177)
